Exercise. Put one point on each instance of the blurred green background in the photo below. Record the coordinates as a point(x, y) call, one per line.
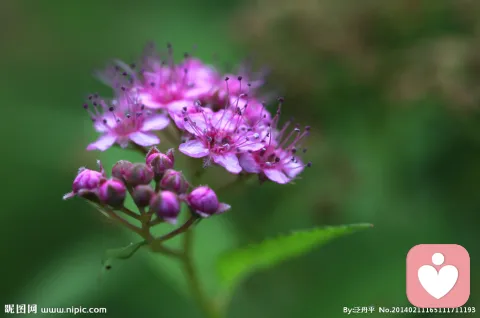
point(391, 89)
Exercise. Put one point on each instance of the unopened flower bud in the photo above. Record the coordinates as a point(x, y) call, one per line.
point(86, 181)
point(142, 194)
point(138, 173)
point(174, 181)
point(160, 162)
point(112, 192)
point(120, 168)
point(166, 206)
point(204, 201)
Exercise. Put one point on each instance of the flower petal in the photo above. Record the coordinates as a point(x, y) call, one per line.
point(276, 176)
point(293, 168)
point(103, 143)
point(194, 148)
point(68, 195)
point(229, 161)
point(223, 207)
point(144, 139)
point(157, 122)
point(248, 163)
point(196, 124)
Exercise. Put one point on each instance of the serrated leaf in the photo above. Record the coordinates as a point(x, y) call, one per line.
point(237, 264)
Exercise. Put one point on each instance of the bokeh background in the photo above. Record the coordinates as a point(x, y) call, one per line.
point(391, 89)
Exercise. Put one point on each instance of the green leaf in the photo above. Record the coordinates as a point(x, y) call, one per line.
point(237, 264)
point(121, 253)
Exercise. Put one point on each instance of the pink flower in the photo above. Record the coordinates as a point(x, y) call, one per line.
point(124, 120)
point(278, 160)
point(204, 202)
point(220, 136)
point(164, 84)
point(86, 181)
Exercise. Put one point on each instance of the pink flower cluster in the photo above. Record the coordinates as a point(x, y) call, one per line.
point(219, 117)
point(164, 200)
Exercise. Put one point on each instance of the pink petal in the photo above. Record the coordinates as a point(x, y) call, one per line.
point(171, 220)
point(251, 145)
point(248, 163)
point(196, 124)
point(292, 169)
point(229, 161)
point(177, 106)
point(103, 143)
point(149, 101)
point(222, 207)
point(100, 126)
point(144, 139)
point(68, 195)
point(276, 176)
point(157, 122)
point(194, 148)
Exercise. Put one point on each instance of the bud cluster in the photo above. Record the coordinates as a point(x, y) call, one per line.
point(155, 186)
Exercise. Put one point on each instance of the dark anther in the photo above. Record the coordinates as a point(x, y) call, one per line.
point(85, 106)
point(185, 119)
point(281, 100)
point(132, 65)
point(124, 73)
point(142, 107)
point(111, 108)
point(108, 267)
point(294, 150)
point(123, 88)
point(277, 159)
point(227, 78)
point(90, 97)
point(248, 84)
point(95, 95)
point(304, 150)
point(94, 103)
point(239, 78)
point(152, 84)
point(307, 128)
point(184, 108)
point(104, 121)
point(309, 164)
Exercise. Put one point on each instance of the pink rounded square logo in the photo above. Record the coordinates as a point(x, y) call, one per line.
point(438, 276)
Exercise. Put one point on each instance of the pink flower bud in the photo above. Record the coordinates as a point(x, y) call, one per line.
point(160, 162)
point(142, 194)
point(166, 205)
point(120, 168)
point(112, 192)
point(86, 181)
point(138, 173)
point(205, 202)
point(174, 181)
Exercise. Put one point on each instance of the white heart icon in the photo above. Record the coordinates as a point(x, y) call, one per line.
point(438, 284)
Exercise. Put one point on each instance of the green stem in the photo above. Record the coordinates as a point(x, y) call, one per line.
point(208, 307)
